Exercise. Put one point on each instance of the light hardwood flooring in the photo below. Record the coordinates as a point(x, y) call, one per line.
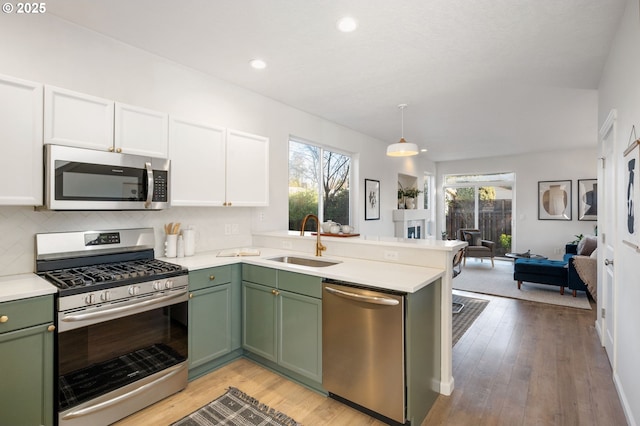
point(520, 363)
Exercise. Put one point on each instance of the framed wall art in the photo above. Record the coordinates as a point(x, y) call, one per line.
point(554, 200)
point(371, 199)
point(587, 199)
point(631, 235)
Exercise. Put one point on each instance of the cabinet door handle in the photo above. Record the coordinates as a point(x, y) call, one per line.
point(51, 328)
point(4, 319)
point(275, 292)
point(212, 277)
point(190, 295)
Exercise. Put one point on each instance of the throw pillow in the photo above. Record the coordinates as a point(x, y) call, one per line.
point(594, 254)
point(473, 238)
point(587, 245)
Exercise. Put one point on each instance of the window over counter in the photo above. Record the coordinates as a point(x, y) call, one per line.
point(319, 183)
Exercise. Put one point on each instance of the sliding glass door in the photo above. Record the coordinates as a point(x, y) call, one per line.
point(483, 202)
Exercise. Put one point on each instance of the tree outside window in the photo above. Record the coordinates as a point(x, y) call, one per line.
point(318, 184)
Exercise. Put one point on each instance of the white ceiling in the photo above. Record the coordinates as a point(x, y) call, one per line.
point(481, 77)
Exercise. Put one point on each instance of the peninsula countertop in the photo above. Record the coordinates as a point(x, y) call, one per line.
point(383, 275)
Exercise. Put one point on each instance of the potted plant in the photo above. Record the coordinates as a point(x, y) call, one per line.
point(410, 197)
point(400, 198)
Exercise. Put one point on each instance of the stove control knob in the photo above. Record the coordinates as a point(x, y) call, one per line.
point(90, 299)
point(168, 284)
point(105, 296)
point(157, 285)
point(134, 290)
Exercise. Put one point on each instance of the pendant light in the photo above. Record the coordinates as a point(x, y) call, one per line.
point(402, 148)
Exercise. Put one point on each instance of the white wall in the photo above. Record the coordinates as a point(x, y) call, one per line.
point(620, 89)
point(540, 236)
point(52, 51)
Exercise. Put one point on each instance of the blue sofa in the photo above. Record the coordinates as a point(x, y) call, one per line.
point(561, 273)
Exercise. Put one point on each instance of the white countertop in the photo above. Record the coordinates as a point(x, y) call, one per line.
point(23, 286)
point(384, 275)
point(374, 240)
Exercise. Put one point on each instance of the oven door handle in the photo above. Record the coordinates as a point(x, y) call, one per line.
point(106, 404)
point(120, 309)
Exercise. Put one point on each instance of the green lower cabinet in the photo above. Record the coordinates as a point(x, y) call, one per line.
point(214, 319)
point(26, 372)
point(300, 332)
point(284, 330)
point(259, 320)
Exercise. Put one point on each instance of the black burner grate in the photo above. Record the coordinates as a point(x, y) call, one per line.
point(110, 272)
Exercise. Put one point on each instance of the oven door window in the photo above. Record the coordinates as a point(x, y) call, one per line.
point(95, 182)
point(99, 358)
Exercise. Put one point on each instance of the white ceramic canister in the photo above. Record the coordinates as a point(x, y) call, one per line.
point(189, 236)
point(171, 245)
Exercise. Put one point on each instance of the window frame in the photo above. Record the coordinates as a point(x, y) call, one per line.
point(323, 148)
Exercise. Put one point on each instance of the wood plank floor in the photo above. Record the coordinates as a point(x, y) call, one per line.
point(520, 363)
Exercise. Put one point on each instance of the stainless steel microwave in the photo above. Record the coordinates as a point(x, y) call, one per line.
point(86, 179)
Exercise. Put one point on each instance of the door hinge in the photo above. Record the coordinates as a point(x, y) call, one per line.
point(602, 313)
point(604, 239)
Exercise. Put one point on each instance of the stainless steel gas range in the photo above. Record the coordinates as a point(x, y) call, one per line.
point(121, 341)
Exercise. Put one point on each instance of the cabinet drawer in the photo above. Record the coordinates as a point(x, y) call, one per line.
point(308, 285)
point(26, 313)
point(259, 275)
point(209, 277)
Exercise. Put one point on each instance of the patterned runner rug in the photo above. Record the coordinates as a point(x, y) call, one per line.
point(462, 321)
point(236, 408)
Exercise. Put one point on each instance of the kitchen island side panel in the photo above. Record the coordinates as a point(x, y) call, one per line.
point(423, 356)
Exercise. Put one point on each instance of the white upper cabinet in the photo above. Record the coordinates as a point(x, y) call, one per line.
point(76, 119)
point(141, 131)
point(85, 121)
point(211, 166)
point(197, 153)
point(21, 141)
point(247, 181)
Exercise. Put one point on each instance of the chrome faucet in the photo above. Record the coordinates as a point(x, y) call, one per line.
point(319, 246)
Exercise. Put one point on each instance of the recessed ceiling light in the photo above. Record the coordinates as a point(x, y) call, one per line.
point(347, 24)
point(423, 150)
point(258, 64)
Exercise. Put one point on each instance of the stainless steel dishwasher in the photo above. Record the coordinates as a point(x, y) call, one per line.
point(363, 348)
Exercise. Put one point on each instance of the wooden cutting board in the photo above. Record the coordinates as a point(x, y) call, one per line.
point(324, 234)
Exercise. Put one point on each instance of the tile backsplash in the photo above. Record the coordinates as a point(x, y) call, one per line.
point(18, 226)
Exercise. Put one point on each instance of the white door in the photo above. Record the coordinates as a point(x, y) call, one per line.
point(607, 230)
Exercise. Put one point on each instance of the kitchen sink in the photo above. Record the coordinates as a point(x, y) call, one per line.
point(305, 261)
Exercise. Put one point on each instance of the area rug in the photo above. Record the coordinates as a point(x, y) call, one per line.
point(462, 321)
point(236, 408)
point(480, 277)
